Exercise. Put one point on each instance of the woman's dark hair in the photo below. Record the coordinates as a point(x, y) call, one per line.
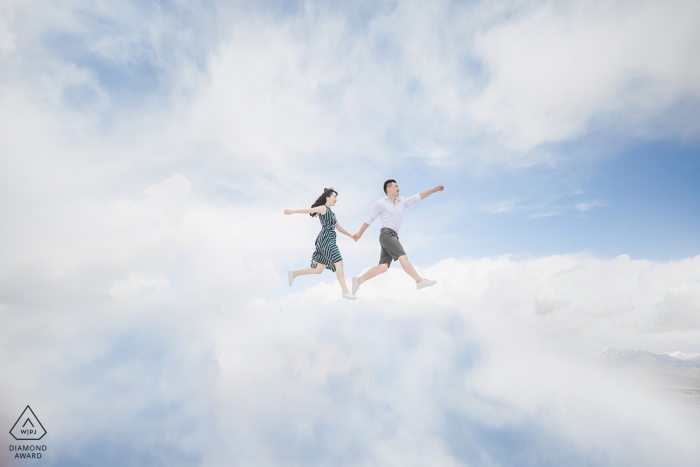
point(322, 199)
point(391, 180)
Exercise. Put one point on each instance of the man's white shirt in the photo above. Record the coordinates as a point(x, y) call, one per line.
point(390, 213)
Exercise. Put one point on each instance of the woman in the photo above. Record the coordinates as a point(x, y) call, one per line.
point(327, 254)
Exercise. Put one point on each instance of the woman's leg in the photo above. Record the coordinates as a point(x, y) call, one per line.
point(341, 276)
point(317, 270)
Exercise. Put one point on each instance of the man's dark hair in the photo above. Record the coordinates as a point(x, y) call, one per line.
point(386, 184)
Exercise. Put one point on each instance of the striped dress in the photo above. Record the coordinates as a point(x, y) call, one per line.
point(327, 252)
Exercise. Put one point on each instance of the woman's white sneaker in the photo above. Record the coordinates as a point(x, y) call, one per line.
point(291, 277)
point(425, 283)
point(355, 285)
point(349, 296)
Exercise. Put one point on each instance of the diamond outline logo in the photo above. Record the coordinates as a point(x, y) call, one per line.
point(29, 419)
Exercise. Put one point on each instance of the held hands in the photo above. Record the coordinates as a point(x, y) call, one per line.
point(357, 236)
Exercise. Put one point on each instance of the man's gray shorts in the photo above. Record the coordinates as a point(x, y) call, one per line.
point(391, 247)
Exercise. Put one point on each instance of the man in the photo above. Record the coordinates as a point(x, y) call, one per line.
point(390, 210)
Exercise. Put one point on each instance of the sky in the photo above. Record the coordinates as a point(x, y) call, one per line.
point(148, 150)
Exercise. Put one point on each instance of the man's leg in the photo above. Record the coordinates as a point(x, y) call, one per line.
point(375, 271)
point(381, 268)
point(408, 267)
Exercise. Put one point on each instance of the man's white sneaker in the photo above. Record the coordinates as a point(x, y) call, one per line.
point(349, 296)
point(291, 277)
point(425, 283)
point(355, 285)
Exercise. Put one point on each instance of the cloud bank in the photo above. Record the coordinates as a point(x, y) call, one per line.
point(155, 345)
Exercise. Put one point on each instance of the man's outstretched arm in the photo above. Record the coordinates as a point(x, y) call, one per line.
point(425, 194)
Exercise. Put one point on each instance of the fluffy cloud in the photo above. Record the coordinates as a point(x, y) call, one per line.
point(434, 77)
point(7, 37)
point(558, 70)
point(253, 88)
point(143, 238)
point(154, 324)
point(460, 373)
point(577, 301)
point(473, 371)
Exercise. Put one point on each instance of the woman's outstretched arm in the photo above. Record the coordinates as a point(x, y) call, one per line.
point(319, 209)
point(342, 230)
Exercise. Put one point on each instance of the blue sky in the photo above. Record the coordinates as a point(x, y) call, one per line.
point(148, 149)
point(641, 201)
point(611, 189)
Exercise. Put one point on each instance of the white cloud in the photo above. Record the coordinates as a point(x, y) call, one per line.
point(135, 283)
point(579, 301)
point(335, 384)
point(451, 84)
point(193, 347)
point(261, 103)
point(587, 206)
point(452, 375)
point(557, 70)
point(547, 300)
point(170, 194)
point(8, 38)
point(499, 207)
point(680, 306)
point(551, 207)
point(447, 375)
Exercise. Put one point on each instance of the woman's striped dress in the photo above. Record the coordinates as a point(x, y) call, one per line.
point(327, 252)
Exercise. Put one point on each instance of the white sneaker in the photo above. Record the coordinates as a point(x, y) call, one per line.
point(291, 277)
point(349, 296)
point(425, 283)
point(355, 285)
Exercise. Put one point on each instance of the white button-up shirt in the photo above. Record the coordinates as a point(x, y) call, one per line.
point(391, 213)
